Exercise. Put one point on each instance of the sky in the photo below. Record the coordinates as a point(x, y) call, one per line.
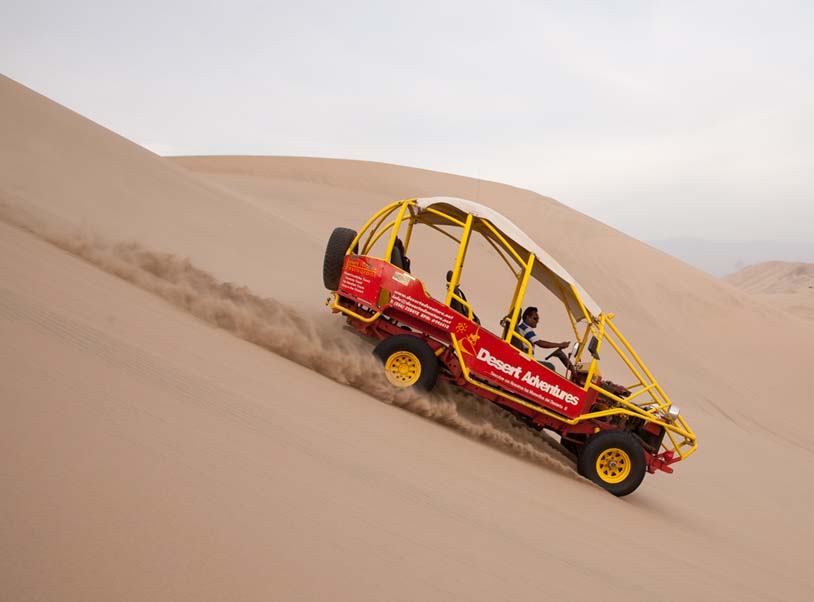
point(662, 119)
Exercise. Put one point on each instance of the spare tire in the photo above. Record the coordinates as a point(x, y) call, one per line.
point(338, 245)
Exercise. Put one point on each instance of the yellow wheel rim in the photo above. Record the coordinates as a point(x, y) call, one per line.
point(613, 465)
point(402, 369)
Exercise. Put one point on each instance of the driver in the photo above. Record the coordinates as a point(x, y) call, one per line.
point(530, 319)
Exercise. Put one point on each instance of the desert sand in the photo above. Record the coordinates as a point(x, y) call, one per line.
point(184, 419)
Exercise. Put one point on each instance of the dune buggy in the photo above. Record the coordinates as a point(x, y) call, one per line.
point(617, 432)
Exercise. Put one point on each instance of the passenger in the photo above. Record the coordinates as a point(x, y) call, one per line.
point(530, 319)
point(457, 305)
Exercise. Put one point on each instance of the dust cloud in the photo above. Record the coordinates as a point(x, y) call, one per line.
point(315, 341)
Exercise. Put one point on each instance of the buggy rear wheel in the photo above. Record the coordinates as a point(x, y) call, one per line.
point(338, 244)
point(408, 362)
point(614, 460)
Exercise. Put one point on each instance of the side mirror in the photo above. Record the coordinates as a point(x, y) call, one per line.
point(592, 347)
point(575, 351)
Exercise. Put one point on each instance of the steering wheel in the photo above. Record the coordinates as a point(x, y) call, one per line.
point(560, 355)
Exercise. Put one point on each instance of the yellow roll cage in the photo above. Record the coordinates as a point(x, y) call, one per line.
point(647, 401)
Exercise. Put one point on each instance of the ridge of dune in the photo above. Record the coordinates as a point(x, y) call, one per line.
point(650, 291)
point(79, 174)
point(171, 434)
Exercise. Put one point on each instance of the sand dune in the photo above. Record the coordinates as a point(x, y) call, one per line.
point(185, 421)
point(785, 284)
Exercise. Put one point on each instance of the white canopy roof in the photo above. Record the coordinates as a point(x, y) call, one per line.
point(550, 277)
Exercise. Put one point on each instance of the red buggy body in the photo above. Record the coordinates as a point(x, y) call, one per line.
point(618, 433)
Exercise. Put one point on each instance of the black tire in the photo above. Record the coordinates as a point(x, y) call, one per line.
point(338, 244)
point(408, 361)
point(622, 466)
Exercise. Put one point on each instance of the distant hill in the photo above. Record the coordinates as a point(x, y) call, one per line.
point(784, 284)
point(774, 277)
point(721, 258)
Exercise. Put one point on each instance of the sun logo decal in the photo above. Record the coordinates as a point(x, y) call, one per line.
point(461, 328)
point(468, 344)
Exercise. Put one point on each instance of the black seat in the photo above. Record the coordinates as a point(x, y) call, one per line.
point(397, 256)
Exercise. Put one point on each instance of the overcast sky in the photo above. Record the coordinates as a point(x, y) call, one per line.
point(662, 119)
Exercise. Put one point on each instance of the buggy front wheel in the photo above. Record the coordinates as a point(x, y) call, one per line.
point(614, 460)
